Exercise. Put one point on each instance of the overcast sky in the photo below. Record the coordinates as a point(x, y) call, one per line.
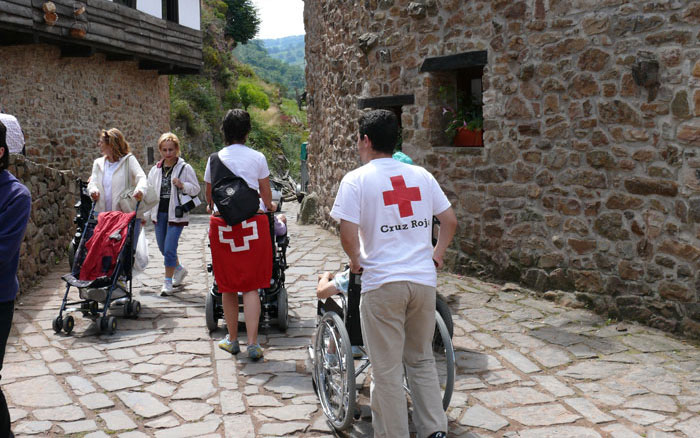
point(280, 18)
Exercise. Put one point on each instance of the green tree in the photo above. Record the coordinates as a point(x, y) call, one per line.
point(250, 94)
point(242, 21)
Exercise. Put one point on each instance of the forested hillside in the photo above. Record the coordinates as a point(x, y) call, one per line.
point(288, 49)
point(198, 102)
point(289, 77)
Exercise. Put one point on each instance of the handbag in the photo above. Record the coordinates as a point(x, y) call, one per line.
point(127, 203)
point(189, 203)
point(234, 199)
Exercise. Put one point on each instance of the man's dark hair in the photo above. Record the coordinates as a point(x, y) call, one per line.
point(382, 128)
point(5, 160)
point(236, 126)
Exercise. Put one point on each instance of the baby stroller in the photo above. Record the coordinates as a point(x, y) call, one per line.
point(273, 300)
point(334, 364)
point(113, 283)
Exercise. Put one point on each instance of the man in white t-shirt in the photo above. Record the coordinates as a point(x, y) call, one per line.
point(385, 209)
point(241, 253)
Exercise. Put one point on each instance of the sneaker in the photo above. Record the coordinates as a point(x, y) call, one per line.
point(232, 347)
point(179, 275)
point(357, 352)
point(438, 435)
point(166, 290)
point(255, 352)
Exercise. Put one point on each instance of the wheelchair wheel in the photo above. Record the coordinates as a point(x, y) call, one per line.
point(444, 354)
point(282, 310)
point(210, 312)
point(334, 371)
point(444, 311)
point(444, 361)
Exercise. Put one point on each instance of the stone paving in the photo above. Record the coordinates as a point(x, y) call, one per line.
point(527, 368)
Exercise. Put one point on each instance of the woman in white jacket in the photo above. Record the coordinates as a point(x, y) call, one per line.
point(109, 174)
point(175, 183)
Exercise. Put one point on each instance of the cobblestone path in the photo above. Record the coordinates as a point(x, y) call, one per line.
point(526, 367)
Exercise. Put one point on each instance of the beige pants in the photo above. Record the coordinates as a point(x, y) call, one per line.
point(398, 322)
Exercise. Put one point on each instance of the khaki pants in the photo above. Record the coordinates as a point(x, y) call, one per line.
point(387, 315)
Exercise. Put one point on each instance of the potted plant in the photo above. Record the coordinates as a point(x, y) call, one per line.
point(464, 121)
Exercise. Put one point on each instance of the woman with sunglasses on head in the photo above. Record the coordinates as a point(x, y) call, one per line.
point(113, 172)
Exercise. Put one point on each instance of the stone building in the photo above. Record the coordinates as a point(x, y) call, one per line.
point(71, 68)
point(589, 177)
point(92, 65)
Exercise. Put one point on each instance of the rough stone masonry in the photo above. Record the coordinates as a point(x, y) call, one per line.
point(589, 178)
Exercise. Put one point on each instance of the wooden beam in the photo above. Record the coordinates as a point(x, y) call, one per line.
point(12, 38)
point(177, 70)
point(118, 57)
point(455, 62)
point(151, 65)
point(385, 101)
point(76, 51)
point(114, 29)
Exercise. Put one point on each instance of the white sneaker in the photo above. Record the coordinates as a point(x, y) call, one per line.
point(179, 275)
point(166, 290)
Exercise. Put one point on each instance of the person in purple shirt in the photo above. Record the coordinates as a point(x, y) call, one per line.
point(15, 206)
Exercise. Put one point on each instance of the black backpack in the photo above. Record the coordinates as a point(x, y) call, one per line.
point(233, 197)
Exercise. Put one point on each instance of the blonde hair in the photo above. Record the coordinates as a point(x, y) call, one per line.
point(116, 142)
point(169, 136)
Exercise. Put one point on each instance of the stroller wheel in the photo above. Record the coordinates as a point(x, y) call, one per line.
point(68, 324)
point(210, 313)
point(57, 324)
point(111, 325)
point(282, 310)
point(133, 308)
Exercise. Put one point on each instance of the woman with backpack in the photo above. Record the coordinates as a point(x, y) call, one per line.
point(177, 186)
point(241, 252)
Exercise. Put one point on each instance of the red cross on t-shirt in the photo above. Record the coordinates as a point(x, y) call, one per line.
point(401, 196)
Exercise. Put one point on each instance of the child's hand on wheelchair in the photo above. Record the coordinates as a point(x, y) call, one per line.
point(326, 275)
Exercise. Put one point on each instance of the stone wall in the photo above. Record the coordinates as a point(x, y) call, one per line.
point(62, 104)
point(50, 227)
point(589, 180)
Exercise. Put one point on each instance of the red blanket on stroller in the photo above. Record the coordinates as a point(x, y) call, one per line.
point(103, 247)
point(241, 254)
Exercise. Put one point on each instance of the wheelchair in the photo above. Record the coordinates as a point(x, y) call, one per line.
point(338, 331)
point(273, 300)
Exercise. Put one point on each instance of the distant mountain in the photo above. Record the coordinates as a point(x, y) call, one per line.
point(289, 77)
point(288, 49)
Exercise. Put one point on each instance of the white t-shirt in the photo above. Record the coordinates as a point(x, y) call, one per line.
point(393, 203)
point(244, 162)
point(107, 182)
